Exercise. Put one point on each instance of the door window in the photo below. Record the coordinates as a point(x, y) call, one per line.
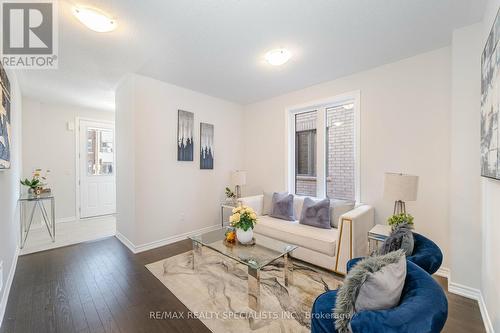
point(100, 152)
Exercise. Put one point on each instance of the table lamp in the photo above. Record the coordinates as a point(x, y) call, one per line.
point(239, 178)
point(400, 188)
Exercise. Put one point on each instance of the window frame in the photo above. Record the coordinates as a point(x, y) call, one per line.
point(320, 106)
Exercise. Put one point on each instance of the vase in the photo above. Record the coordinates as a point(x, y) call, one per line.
point(230, 201)
point(244, 237)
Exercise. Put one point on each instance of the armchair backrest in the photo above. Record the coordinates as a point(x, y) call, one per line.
point(426, 254)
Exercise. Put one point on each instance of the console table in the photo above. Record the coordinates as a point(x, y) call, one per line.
point(37, 201)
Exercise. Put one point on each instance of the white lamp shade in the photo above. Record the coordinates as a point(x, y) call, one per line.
point(402, 187)
point(239, 177)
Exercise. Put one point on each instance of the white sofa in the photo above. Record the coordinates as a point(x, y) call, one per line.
point(327, 248)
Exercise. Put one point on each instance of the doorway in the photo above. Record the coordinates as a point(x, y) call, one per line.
point(96, 168)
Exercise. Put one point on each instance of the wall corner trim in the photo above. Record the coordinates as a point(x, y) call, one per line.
point(8, 285)
point(161, 242)
point(125, 241)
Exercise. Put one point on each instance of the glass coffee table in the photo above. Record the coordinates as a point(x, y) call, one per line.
point(255, 257)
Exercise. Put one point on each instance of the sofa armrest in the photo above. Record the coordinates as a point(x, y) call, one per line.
point(256, 202)
point(353, 231)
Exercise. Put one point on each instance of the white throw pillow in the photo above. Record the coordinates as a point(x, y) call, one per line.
point(339, 208)
point(298, 202)
point(268, 203)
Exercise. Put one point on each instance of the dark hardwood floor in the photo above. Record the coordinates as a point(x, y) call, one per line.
point(102, 287)
point(93, 287)
point(464, 315)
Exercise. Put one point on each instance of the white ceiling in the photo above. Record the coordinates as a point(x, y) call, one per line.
point(217, 46)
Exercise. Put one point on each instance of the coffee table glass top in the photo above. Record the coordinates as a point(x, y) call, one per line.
point(256, 256)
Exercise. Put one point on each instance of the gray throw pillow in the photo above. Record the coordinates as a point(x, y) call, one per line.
point(267, 207)
point(316, 213)
point(375, 283)
point(283, 206)
point(401, 237)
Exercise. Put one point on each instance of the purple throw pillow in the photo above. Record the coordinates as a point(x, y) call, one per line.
point(283, 206)
point(316, 213)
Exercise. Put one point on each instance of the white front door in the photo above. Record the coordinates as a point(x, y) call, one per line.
point(97, 168)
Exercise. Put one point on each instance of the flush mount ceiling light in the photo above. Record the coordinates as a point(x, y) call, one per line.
point(94, 19)
point(278, 57)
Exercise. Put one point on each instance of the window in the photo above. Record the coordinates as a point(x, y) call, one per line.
point(305, 144)
point(323, 158)
point(305, 153)
point(100, 156)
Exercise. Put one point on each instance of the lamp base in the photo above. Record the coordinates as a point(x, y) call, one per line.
point(399, 207)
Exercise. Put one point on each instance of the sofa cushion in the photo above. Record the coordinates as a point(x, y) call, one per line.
point(283, 206)
point(316, 213)
point(339, 208)
point(316, 239)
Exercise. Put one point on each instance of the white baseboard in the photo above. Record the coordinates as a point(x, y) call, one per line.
point(162, 242)
point(475, 294)
point(8, 285)
point(443, 272)
point(66, 219)
point(485, 315)
point(60, 220)
point(125, 241)
point(461, 290)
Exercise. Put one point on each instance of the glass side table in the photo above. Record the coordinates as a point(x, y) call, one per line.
point(37, 201)
point(377, 235)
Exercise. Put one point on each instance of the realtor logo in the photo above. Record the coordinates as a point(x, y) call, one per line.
point(29, 34)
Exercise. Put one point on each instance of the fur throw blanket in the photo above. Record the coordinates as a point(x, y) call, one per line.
point(401, 238)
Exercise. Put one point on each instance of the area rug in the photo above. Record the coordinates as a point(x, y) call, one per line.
point(216, 293)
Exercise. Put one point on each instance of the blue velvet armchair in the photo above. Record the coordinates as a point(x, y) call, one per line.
point(426, 254)
point(423, 308)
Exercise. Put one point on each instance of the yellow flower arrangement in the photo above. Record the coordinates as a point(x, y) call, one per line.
point(243, 217)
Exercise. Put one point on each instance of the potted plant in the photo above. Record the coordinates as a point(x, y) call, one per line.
point(36, 183)
point(244, 220)
point(398, 219)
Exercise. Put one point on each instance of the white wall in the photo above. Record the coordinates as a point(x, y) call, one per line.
point(48, 144)
point(125, 158)
point(168, 198)
point(9, 193)
point(491, 217)
point(405, 109)
point(465, 169)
